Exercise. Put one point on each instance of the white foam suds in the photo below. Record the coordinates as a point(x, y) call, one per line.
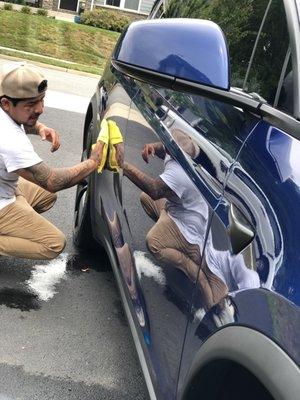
point(44, 278)
point(146, 267)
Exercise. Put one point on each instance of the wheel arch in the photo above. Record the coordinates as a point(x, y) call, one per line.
point(90, 116)
point(253, 351)
point(88, 119)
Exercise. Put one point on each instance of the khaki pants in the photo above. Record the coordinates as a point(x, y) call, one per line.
point(24, 233)
point(167, 244)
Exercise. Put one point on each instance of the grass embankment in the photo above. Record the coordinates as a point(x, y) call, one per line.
point(86, 46)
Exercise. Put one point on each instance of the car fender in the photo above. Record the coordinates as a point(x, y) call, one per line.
point(92, 115)
point(275, 370)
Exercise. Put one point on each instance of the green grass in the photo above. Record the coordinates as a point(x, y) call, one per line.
point(87, 46)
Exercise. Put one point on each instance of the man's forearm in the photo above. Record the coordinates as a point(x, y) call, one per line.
point(56, 179)
point(155, 188)
point(160, 150)
point(141, 180)
point(64, 178)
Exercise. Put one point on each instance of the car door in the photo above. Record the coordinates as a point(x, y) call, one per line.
point(251, 244)
point(165, 286)
point(198, 139)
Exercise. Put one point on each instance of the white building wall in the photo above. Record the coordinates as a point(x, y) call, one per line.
point(146, 5)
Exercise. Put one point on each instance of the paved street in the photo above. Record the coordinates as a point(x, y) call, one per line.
point(63, 333)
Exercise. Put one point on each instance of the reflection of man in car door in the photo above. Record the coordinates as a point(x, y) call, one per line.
point(181, 216)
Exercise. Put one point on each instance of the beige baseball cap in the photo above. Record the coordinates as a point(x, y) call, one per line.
point(21, 81)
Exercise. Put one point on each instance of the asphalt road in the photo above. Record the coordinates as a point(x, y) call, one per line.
point(63, 333)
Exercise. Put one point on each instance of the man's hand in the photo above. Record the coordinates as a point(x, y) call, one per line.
point(148, 150)
point(153, 149)
point(48, 134)
point(96, 153)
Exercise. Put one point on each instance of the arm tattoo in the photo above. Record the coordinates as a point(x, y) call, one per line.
point(160, 150)
point(155, 188)
point(55, 179)
point(40, 173)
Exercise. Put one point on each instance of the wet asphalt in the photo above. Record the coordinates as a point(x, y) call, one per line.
point(64, 336)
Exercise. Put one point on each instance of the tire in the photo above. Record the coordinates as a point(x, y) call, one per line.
point(82, 232)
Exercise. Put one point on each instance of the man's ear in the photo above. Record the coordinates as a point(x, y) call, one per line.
point(5, 104)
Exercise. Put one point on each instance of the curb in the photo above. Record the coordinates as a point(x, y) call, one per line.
point(49, 66)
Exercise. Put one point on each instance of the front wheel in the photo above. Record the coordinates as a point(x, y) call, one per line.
point(82, 232)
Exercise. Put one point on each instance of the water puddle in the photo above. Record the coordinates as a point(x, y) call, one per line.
point(22, 300)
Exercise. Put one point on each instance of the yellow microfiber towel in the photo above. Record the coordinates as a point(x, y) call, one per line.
point(115, 137)
point(104, 137)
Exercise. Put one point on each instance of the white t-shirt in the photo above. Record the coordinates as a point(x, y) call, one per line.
point(190, 212)
point(16, 151)
point(230, 268)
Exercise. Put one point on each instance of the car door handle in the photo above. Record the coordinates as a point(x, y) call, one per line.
point(240, 235)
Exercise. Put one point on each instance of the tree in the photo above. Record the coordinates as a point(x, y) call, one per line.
point(240, 22)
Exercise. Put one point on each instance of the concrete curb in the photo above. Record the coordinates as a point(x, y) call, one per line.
point(49, 66)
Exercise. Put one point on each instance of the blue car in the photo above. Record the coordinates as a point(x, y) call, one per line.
point(202, 222)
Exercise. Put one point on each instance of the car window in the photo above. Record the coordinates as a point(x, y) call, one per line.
point(240, 21)
point(115, 3)
point(216, 121)
point(285, 94)
point(269, 54)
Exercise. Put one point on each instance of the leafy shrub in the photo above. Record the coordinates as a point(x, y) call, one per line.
point(105, 19)
point(8, 7)
point(26, 10)
point(22, 2)
point(42, 11)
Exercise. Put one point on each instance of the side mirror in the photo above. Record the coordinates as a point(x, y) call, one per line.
point(171, 50)
point(189, 55)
